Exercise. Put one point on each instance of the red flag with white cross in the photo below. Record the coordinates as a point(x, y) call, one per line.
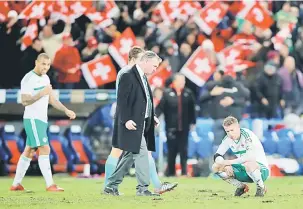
point(99, 71)
point(36, 10)
point(4, 9)
point(30, 34)
point(199, 67)
point(259, 16)
point(120, 47)
point(158, 78)
point(229, 55)
point(210, 16)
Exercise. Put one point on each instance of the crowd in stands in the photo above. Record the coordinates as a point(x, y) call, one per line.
point(272, 87)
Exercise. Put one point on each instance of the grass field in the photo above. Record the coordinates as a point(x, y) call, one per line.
point(193, 193)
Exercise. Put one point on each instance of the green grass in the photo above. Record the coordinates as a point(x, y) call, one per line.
point(192, 193)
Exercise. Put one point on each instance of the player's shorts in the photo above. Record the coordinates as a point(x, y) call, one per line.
point(241, 175)
point(36, 132)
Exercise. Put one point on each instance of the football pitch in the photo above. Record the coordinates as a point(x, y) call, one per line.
point(191, 193)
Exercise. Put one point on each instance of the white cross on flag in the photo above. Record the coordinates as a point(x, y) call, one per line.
point(35, 10)
point(237, 66)
point(170, 10)
point(99, 71)
point(4, 9)
point(120, 47)
point(230, 54)
point(210, 16)
point(255, 13)
point(198, 67)
point(158, 78)
point(30, 34)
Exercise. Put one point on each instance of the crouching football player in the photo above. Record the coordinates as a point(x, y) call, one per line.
point(251, 163)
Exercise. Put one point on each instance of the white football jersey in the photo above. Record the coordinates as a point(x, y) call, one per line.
point(247, 146)
point(32, 84)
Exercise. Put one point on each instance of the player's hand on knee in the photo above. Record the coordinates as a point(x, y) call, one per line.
point(131, 125)
point(47, 90)
point(229, 171)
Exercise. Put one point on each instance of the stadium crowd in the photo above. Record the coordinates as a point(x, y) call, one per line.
point(273, 85)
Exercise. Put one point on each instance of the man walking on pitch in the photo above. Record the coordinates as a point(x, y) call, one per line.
point(250, 165)
point(36, 94)
point(111, 163)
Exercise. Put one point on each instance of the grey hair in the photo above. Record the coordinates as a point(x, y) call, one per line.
point(150, 55)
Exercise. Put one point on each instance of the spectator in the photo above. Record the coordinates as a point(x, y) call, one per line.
point(30, 56)
point(178, 107)
point(292, 85)
point(91, 50)
point(67, 62)
point(268, 91)
point(226, 97)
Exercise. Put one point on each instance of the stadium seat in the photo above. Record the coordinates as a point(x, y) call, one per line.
point(62, 155)
point(284, 145)
point(80, 144)
point(269, 142)
point(13, 146)
point(107, 120)
point(205, 145)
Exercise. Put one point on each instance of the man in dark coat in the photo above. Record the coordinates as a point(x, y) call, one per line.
point(134, 124)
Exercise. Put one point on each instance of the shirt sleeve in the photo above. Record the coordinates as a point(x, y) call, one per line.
point(25, 86)
point(223, 147)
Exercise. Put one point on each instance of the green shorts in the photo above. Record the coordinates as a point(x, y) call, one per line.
point(36, 132)
point(241, 175)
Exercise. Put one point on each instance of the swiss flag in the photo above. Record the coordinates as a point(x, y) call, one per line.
point(158, 78)
point(30, 34)
point(120, 47)
point(170, 10)
point(198, 68)
point(4, 9)
point(210, 16)
point(238, 66)
point(256, 14)
point(229, 55)
point(99, 71)
point(279, 39)
point(35, 10)
point(99, 18)
point(77, 8)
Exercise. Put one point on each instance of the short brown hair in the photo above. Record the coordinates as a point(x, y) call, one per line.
point(229, 121)
point(134, 53)
point(43, 56)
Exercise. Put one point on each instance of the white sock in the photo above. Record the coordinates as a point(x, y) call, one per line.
point(22, 167)
point(45, 168)
point(230, 180)
point(256, 177)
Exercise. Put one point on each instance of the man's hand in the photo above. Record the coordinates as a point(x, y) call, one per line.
point(264, 101)
point(131, 125)
point(282, 103)
point(157, 122)
point(71, 114)
point(46, 90)
point(227, 101)
point(229, 171)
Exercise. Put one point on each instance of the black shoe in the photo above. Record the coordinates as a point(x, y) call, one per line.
point(146, 193)
point(241, 190)
point(111, 191)
point(166, 187)
point(260, 191)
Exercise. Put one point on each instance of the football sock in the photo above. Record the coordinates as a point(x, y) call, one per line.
point(22, 167)
point(256, 177)
point(230, 180)
point(110, 166)
point(45, 168)
point(154, 178)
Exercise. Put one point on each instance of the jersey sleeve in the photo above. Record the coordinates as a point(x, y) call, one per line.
point(25, 86)
point(223, 147)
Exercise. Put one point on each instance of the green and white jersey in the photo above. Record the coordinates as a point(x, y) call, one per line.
point(247, 147)
point(32, 84)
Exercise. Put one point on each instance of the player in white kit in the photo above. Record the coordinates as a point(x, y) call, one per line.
point(251, 163)
point(36, 94)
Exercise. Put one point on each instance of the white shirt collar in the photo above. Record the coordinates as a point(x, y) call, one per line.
point(140, 70)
